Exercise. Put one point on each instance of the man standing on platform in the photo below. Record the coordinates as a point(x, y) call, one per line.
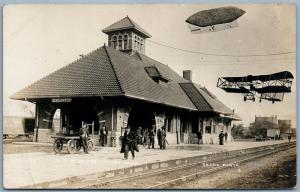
point(159, 138)
point(221, 138)
point(103, 135)
point(84, 135)
point(199, 136)
point(163, 135)
point(151, 136)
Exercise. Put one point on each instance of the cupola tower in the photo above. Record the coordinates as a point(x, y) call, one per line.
point(127, 36)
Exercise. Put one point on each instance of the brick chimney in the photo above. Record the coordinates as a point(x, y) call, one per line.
point(187, 74)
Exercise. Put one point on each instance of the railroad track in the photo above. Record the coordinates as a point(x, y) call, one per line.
point(167, 177)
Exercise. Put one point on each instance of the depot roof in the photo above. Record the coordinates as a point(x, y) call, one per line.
point(109, 72)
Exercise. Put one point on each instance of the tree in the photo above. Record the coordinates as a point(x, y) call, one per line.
point(28, 109)
point(237, 131)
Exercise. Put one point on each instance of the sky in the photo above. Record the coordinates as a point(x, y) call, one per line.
point(39, 39)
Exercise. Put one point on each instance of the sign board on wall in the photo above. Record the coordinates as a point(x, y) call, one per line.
point(61, 100)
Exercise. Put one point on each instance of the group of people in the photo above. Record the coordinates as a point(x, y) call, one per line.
point(132, 138)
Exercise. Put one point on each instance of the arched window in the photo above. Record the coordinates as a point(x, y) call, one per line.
point(125, 41)
point(114, 42)
point(142, 44)
point(135, 45)
point(120, 42)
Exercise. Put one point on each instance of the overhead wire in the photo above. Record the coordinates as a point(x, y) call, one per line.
point(222, 55)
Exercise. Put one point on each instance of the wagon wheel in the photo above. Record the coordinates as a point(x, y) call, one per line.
point(71, 146)
point(57, 146)
point(90, 145)
point(78, 145)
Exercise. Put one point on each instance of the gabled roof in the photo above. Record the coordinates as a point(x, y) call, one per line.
point(108, 72)
point(126, 23)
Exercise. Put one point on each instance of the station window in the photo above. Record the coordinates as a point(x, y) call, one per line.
point(120, 42)
point(114, 42)
point(208, 126)
point(125, 41)
point(208, 129)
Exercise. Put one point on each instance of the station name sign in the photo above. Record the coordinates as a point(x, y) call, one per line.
point(61, 100)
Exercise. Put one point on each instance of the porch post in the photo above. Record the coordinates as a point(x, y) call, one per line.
point(36, 122)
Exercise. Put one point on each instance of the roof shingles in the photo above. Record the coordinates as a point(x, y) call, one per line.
point(136, 82)
point(91, 75)
point(108, 72)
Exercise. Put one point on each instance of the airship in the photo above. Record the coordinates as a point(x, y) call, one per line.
point(213, 20)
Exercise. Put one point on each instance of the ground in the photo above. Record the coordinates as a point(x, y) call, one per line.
point(277, 171)
point(27, 163)
point(13, 148)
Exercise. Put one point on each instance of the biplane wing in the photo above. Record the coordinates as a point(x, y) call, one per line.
point(284, 75)
point(236, 90)
point(271, 87)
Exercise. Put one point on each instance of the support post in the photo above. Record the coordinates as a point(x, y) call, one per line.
point(36, 122)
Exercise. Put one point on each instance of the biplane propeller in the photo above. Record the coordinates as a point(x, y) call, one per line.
point(271, 87)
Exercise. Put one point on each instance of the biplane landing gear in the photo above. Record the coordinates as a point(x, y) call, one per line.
point(253, 99)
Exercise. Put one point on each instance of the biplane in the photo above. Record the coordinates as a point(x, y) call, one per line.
point(213, 20)
point(270, 87)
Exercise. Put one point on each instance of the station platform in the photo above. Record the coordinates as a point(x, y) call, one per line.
point(33, 168)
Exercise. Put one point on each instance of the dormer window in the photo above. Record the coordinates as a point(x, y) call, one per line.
point(154, 73)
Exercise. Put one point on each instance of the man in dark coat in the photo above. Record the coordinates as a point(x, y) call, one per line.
point(289, 137)
point(84, 135)
point(221, 138)
point(151, 135)
point(129, 143)
point(199, 136)
point(103, 135)
point(163, 135)
point(132, 143)
point(159, 138)
point(125, 146)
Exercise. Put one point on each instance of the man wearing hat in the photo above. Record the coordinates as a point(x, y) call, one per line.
point(221, 138)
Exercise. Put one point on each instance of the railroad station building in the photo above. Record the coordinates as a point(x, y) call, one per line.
point(120, 86)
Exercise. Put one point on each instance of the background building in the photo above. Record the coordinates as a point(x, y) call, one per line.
point(270, 126)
